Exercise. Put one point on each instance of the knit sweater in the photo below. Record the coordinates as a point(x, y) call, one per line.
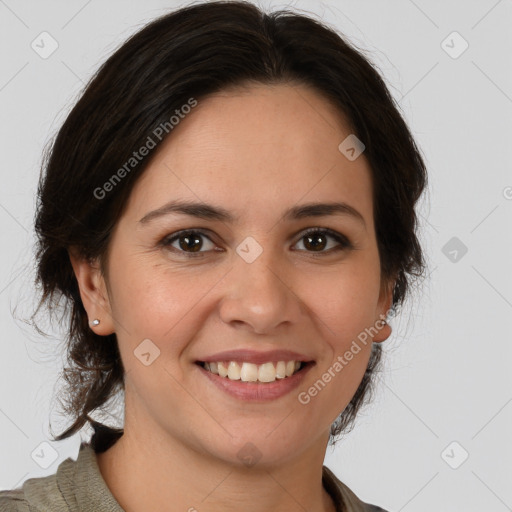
point(78, 486)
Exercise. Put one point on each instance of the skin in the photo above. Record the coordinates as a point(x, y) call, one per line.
point(255, 151)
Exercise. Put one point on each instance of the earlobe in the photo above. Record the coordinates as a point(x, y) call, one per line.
point(384, 331)
point(93, 292)
point(385, 302)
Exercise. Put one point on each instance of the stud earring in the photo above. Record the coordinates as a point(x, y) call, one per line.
point(95, 322)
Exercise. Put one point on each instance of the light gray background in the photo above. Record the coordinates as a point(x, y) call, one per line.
point(447, 375)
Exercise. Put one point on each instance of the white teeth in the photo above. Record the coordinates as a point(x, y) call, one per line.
point(249, 372)
point(266, 373)
point(234, 371)
point(281, 370)
point(223, 370)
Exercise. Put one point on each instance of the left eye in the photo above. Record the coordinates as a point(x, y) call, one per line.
point(313, 235)
point(190, 241)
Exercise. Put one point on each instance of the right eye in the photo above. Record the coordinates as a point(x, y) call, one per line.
point(189, 242)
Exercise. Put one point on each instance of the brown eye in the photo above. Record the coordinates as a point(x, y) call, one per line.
point(192, 242)
point(189, 242)
point(316, 240)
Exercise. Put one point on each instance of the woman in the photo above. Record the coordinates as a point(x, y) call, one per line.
point(228, 212)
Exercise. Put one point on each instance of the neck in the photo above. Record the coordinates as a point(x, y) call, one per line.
point(153, 472)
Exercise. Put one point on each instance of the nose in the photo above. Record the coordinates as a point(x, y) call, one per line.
point(259, 295)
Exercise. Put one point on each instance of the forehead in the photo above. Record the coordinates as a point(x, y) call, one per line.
point(267, 144)
point(282, 122)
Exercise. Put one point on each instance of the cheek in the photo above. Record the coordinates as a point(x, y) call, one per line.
point(151, 302)
point(335, 383)
point(146, 293)
point(345, 302)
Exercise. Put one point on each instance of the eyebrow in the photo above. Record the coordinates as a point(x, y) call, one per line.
point(210, 212)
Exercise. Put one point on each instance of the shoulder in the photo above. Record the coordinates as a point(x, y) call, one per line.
point(35, 495)
point(13, 501)
point(76, 486)
point(42, 494)
point(344, 497)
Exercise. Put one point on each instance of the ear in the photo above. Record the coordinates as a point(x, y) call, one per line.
point(384, 305)
point(93, 291)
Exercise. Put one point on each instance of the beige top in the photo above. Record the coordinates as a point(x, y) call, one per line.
point(78, 486)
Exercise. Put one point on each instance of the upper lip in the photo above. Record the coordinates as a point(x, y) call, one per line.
point(255, 357)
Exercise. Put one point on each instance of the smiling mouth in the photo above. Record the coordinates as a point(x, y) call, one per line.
point(250, 372)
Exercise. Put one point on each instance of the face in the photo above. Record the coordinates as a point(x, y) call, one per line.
point(261, 281)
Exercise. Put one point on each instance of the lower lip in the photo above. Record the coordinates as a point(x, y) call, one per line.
point(257, 391)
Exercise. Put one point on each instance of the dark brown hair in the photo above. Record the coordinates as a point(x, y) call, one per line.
point(190, 53)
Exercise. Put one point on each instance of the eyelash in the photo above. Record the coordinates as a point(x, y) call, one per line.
point(344, 242)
